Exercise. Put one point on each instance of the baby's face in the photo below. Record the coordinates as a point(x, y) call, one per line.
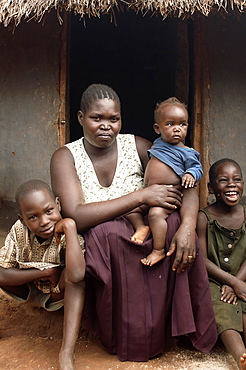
point(40, 212)
point(172, 125)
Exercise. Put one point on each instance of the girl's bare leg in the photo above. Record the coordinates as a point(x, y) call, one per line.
point(243, 362)
point(235, 346)
point(157, 221)
point(243, 357)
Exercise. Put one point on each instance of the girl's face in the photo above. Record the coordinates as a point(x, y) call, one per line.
point(228, 184)
point(172, 125)
point(101, 122)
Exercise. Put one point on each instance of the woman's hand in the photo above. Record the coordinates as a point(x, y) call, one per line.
point(165, 196)
point(184, 243)
point(228, 295)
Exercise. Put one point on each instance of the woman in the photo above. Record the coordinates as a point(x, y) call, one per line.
point(133, 309)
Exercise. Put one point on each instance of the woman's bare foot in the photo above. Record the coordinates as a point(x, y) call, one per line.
point(66, 360)
point(154, 257)
point(140, 234)
point(242, 362)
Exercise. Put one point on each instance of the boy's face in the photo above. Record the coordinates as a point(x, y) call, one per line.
point(228, 184)
point(40, 212)
point(172, 125)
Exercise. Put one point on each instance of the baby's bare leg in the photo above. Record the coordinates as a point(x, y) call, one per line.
point(140, 234)
point(235, 346)
point(157, 221)
point(137, 222)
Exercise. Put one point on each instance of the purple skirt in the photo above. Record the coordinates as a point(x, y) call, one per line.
point(136, 311)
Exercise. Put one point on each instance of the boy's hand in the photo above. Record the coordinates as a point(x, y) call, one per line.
point(52, 276)
point(228, 295)
point(188, 181)
point(61, 228)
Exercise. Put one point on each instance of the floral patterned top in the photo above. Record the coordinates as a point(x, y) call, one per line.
point(128, 175)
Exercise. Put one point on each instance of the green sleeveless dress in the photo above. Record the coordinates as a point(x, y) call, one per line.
point(227, 250)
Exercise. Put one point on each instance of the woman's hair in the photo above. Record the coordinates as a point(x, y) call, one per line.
point(171, 101)
point(96, 92)
point(213, 169)
point(31, 186)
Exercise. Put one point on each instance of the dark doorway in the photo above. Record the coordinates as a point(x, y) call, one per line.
point(137, 58)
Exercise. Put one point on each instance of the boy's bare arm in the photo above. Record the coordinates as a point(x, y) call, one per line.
point(16, 277)
point(75, 263)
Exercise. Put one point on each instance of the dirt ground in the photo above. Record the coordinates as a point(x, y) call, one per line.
point(30, 338)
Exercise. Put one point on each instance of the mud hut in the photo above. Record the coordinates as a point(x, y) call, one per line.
point(147, 50)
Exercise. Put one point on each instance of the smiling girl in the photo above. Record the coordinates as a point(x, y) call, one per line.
point(221, 230)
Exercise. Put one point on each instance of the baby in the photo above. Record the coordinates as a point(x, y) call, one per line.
point(171, 163)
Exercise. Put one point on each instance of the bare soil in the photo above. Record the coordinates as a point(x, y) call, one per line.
point(30, 338)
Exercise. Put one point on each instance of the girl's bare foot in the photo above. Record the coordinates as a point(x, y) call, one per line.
point(154, 257)
point(242, 362)
point(140, 234)
point(66, 360)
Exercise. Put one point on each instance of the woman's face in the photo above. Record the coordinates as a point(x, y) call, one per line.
point(101, 122)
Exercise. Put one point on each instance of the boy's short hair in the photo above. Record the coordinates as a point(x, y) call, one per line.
point(170, 101)
point(215, 165)
point(31, 186)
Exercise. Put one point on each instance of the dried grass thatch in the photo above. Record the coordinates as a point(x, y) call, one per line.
point(17, 10)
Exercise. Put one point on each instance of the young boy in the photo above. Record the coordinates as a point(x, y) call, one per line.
point(32, 261)
point(171, 163)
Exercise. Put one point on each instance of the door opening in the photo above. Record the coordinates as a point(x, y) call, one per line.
point(138, 58)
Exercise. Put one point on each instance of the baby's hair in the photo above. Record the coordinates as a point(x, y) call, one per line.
point(30, 187)
point(215, 165)
point(170, 101)
point(96, 92)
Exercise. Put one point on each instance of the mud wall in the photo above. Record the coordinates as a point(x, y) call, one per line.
point(226, 50)
point(29, 102)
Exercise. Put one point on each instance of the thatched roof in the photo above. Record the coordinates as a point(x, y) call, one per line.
point(17, 10)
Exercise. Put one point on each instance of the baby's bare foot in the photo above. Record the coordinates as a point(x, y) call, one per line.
point(140, 234)
point(66, 360)
point(154, 257)
point(243, 362)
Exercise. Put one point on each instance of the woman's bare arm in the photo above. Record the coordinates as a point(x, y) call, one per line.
point(66, 186)
point(184, 240)
point(142, 146)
